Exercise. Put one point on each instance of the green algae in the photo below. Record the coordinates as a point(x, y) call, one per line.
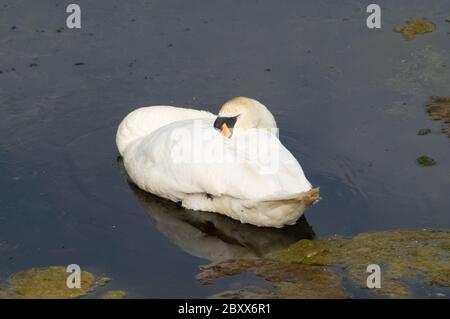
point(48, 283)
point(420, 256)
point(103, 281)
point(439, 110)
point(114, 294)
point(446, 245)
point(289, 280)
point(425, 160)
point(247, 293)
point(318, 268)
point(416, 26)
point(424, 131)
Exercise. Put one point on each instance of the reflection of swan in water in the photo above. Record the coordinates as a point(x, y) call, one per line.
point(215, 237)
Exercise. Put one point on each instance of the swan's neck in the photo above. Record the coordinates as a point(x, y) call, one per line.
point(262, 117)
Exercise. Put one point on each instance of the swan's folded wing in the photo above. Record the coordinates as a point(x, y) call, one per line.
point(191, 157)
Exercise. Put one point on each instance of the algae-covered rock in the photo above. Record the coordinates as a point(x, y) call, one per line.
point(48, 283)
point(114, 294)
point(425, 160)
point(289, 280)
point(439, 109)
point(318, 268)
point(415, 27)
point(403, 256)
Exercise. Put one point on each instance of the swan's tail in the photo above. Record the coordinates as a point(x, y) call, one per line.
point(308, 197)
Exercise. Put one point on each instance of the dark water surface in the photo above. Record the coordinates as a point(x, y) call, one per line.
point(348, 100)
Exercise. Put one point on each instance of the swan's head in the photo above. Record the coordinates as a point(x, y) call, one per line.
point(242, 113)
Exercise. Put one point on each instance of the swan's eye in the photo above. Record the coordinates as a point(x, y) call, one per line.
point(225, 124)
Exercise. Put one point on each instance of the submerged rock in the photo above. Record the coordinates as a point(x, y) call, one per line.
point(425, 161)
point(415, 27)
point(439, 110)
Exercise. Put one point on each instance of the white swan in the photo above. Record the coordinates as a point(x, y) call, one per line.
point(232, 164)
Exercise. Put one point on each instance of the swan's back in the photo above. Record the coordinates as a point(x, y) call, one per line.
point(143, 121)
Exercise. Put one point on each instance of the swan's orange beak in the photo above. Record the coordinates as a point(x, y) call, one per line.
point(225, 125)
point(225, 130)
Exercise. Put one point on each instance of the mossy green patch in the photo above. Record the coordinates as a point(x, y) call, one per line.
point(114, 294)
point(416, 26)
point(103, 281)
point(424, 131)
point(403, 255)
point(425, 160)
point(317, 268)
point(446, 245)
point(289, 280)
point(48, 283)
point(439, 109)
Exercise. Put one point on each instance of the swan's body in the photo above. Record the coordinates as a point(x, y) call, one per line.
point(174, 153)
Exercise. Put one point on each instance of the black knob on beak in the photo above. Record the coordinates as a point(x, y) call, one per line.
point(229, 121)
point(225, 125)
